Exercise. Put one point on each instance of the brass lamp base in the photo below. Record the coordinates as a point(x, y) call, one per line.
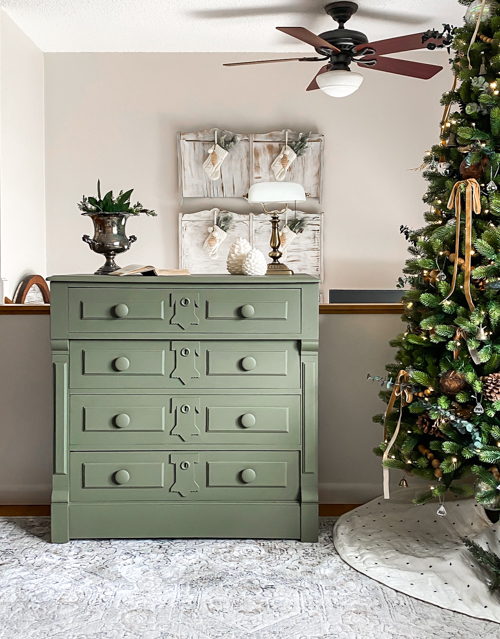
point(276, 268)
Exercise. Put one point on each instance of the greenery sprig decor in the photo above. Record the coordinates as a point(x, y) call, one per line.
point(449, 424)
point(110, 205)
point(489, 560)
point(299, 146)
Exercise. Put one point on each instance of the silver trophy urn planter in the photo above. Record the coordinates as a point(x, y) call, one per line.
point(110, 214)
point(109, 239)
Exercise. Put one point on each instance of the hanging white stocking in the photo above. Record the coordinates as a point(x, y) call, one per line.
point(215, 238)
point(216, 156)
point(283, 162)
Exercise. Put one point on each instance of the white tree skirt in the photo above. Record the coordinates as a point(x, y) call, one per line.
point(415, 551)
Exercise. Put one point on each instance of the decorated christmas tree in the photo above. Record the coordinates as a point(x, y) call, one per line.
point(443, 392)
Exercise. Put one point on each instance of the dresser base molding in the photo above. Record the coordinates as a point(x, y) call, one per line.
point(187, 520)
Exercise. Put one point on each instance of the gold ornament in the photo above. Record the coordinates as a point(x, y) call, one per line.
point(403, 483)
point(452, 382)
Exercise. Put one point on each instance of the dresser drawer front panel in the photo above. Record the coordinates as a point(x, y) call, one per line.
point(184, 364)
point(252, 311)
point(183, 311)
point(113, 421)
point(147, 474)
point(259, 364)
point(111, 310)
point(184, 476)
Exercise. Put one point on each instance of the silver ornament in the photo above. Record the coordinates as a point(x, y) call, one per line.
point(443, 167)
point(478, 409)
point(481, 334)
point(441, 276)
point(474, 9)
point(441, 511)
point(491, 186)
point(403, 483)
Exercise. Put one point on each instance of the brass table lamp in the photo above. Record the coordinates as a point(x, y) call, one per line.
point(274, 192)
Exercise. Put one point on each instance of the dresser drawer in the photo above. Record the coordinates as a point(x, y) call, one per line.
point(188, 310)
point(112, 422)
point(184, 364)
point(184, 476)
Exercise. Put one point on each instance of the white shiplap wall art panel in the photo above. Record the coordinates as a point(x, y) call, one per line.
point(304, 255)
point(249, 161)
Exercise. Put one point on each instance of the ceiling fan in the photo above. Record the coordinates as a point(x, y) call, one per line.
point(340, 47)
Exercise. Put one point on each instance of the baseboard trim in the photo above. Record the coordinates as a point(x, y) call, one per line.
point(325, 510)
point(25, 511)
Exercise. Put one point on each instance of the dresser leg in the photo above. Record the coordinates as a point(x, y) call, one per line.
point(309, 522)
point(59, 523)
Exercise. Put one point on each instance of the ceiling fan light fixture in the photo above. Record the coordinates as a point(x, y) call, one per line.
point(339, 83)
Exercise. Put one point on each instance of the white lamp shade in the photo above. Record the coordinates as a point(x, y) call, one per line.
point(339, 83)
point(276, 192)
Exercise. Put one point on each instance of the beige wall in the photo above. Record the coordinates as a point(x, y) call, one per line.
point(22, 179)
point(115, 116)
point(25, 410)
point(350, 347)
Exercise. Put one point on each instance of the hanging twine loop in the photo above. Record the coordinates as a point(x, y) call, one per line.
point(472, 203)
point(473, 39)
point(214, 156)
point(401, 390)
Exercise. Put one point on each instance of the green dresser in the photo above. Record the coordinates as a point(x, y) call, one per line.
point(185, 407)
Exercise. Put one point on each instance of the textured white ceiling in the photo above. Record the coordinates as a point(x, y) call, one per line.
point(203, 25)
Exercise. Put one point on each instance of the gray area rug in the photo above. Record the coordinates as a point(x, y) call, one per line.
point(199, 589)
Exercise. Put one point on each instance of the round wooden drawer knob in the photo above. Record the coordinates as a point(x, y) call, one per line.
point(248, 475)
point(121, 310)
point(247, 420)
point(247, 310)
point(122, 477)
point(122, 420)
point(122, 363)
point(248, 363)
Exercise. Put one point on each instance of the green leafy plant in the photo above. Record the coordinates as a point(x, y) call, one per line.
point(227, 140)
point(110, 205)
point(299, 146)
point(297, 224)
point(225, 220)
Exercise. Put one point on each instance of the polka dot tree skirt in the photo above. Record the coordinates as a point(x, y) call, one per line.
point(415, 551)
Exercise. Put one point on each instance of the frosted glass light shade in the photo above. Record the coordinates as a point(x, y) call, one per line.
point(339, 83)
point(263, 192)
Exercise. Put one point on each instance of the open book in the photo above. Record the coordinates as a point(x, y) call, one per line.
point(137, 269)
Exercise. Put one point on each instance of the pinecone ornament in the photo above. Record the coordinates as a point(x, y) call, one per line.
point(255, 263)
point(491, 387)
point(236, 256)
point(428, 425)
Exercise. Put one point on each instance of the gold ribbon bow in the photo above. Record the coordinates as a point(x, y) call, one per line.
point(459, 334)
point(472, 203)
point(400, 390)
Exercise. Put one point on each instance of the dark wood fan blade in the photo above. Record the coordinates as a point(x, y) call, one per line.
point(397, 45)
point(314, 84)
point(241, 64)
point(308, 37)
point(401, 67)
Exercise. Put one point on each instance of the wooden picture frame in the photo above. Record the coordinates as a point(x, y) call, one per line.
point(23, 295)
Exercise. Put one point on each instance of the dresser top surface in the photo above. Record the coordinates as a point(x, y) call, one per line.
point(266, 280)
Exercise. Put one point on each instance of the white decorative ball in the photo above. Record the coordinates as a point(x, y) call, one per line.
point(236, 256)
point(255, 263)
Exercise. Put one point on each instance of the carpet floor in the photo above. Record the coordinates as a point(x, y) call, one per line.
point(202, 589)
